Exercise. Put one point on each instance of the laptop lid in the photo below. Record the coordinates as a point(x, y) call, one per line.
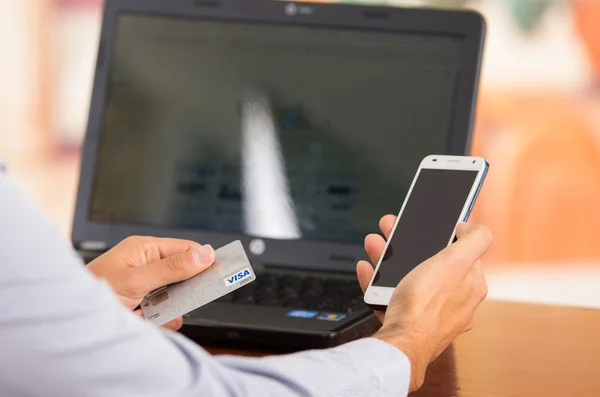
point(290, 127)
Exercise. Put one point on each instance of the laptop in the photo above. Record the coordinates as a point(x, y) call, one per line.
point(292, 127)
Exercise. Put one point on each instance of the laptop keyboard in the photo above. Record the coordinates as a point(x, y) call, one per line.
point(298, 292)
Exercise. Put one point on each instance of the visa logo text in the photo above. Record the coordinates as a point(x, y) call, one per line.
point(239, 276)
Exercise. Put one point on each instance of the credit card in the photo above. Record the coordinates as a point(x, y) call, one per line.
point(230, 271)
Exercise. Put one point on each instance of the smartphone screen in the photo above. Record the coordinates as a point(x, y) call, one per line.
point(427, 222)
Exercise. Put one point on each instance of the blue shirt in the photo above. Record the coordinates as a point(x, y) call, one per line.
point(64, 333)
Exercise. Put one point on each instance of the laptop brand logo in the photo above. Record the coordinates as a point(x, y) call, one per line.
point(257, 247)
point(292, 9)
point(242, 275)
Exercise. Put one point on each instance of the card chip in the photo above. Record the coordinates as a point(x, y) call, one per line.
point(163, 296)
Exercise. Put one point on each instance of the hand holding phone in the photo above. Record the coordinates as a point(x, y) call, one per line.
point(434, 303)
point(441, 196)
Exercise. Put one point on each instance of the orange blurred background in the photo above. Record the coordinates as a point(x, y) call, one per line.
point(538, 123)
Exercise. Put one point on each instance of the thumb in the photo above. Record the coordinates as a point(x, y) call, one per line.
point(175, 268)
point(471, 245)
point(462, 229)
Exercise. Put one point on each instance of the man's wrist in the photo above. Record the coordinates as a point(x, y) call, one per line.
point(394, 335)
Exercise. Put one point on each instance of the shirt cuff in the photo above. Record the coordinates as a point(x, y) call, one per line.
point(388, 363)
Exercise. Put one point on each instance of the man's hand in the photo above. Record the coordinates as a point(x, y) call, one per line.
point(139, 265)
point(436, 301)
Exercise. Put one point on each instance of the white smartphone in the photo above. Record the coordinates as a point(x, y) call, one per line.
point(441, 196)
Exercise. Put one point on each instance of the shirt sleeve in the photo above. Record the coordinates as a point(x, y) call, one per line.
point(63, 332)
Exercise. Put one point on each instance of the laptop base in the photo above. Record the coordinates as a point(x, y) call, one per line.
point(221, 336)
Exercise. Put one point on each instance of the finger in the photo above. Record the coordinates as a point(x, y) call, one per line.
point(155, 248)
point(472, 243)
point(386, 224)
point(364, 272)
point(462, 229)
point(172, 246)
point(374, 245)
point(174, 325)
point(174, 268)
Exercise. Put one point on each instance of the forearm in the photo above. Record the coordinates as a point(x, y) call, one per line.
point(99, 352)
point(62, 332)
point(366, 367)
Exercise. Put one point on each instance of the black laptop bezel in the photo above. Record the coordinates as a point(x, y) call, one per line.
point(329, 256)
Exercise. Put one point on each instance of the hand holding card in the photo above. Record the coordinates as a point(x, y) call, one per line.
point(230, 271)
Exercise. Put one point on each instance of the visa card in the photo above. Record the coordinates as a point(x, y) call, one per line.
point(230, 271)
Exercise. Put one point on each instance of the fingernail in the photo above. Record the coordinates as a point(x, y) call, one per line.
point(204, 254)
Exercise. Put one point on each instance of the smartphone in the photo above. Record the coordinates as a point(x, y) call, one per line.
point(441, 196)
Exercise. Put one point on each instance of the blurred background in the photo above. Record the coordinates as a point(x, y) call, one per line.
point(538, 123)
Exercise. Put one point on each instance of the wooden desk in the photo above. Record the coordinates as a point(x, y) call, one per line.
point(516, 350)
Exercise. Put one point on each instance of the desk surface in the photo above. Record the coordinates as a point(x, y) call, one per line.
point(516, 350)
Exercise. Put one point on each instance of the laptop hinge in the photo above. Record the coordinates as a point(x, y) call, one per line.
point(316, 271)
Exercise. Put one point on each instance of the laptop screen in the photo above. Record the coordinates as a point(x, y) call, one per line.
point(268, 130)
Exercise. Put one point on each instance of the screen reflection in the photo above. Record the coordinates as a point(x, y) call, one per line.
point(267, 207)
